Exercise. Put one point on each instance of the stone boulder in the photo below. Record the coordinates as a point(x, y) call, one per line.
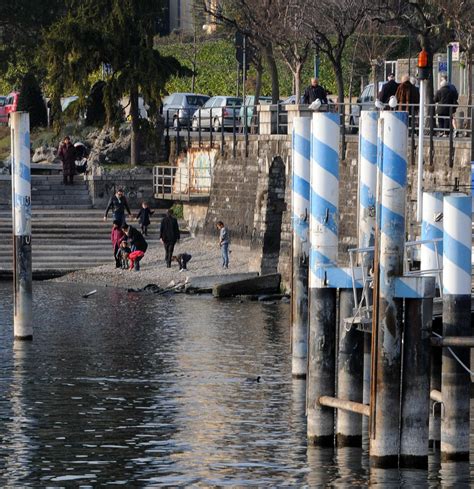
point(45, 154)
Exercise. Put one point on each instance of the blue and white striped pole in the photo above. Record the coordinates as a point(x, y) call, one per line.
point(366, 223)
point(301, 142)
point(457, 282)
point(385, 404)
point(431, 229)
point(21, 214)
point(367, 179)
point(323, 253)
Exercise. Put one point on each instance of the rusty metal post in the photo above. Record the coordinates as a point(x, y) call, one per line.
point(366, 219)
point(435, 384)
point(457, 276)
point(21, 220)
point(300, 218)
point(387, 315)
point(349, 374)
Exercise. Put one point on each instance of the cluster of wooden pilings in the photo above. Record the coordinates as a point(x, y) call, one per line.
point(363, 337)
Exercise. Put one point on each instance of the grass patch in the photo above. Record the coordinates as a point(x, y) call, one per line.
point(4, 142)
point(178, 211)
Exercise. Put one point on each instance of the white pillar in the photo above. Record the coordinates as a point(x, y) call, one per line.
point(21, 214)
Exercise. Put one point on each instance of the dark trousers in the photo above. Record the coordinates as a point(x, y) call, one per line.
point(68, 179)
point(118, 261)
point(169, 248)
point(144, 230)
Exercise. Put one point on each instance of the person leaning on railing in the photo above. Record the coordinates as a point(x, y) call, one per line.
point(407, 94)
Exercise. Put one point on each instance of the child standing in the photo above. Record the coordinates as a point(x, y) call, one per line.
point(122, 254)
point(224, 243)
point(143, 217)
point(116, 236)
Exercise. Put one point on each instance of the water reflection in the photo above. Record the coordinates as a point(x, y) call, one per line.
point(142, 390)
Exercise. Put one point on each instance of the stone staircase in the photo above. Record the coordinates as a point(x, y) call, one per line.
point(67, 233)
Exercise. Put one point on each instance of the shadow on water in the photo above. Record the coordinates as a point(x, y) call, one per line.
point(147, 390)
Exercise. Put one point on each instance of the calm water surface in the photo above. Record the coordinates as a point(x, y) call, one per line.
point(142, 390)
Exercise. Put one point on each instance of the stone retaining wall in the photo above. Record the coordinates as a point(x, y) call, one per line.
point(239, 195)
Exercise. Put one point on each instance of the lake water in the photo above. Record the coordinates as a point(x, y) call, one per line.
point(144, 390)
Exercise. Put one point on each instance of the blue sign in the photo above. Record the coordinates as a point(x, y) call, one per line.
point(442, 66)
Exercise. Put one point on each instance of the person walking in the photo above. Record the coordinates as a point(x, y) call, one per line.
point(313, 92)
point(67, 155)
point(445, 96)
point(169, 235)
point(389, 89)
point(137, 243)
point(407, 94)
point(223, 243)
point(118, 204)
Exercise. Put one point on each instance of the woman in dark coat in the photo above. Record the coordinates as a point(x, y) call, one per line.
point(407, 95)
point(67, 154)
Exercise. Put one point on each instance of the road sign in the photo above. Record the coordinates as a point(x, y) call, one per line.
point(442, 66)
point(455, 51)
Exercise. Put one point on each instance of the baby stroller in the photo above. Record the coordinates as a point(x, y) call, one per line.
point(81, 158)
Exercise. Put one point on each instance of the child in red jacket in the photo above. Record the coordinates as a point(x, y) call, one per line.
point(116, 236)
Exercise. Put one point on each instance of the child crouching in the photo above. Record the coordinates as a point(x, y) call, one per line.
point(182, 259)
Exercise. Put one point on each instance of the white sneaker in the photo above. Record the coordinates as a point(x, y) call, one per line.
point(181, 270)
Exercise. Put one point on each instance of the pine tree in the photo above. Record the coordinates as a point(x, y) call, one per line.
point(117, 34)
point(31, 100)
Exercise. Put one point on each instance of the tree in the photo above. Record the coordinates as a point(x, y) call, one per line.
point(423, 18)
point(31, 100)
point(286, 30)
point(253, 18)
point(85, 40)
point(459, 16)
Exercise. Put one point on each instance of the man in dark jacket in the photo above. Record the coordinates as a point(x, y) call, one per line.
point(118, 204)
point(169, 235)
point(137, 242)
point(388, 89)
point(446, 95)
point(67, 154)
point(315, 91)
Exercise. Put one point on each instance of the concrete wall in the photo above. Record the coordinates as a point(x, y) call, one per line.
point(137, 188)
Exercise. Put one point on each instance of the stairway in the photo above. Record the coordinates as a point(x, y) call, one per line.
point(67, 233)
point(49, 192)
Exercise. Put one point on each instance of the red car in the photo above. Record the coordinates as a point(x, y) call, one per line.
point(9, 105)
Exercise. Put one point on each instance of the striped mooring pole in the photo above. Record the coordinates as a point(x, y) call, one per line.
point(431, 258)
point(431, 229)
point(301, 142)
point(323, 253)
point(366, 223)
point(387, 314)
point(21, 222)
point(455, 380)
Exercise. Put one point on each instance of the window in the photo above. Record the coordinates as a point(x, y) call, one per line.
point(234, 102)
point(196, 100)
point(390, 67)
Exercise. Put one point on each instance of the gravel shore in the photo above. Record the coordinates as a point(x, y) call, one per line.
point(206, 260)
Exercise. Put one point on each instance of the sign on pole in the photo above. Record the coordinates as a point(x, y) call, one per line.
point(455, 51)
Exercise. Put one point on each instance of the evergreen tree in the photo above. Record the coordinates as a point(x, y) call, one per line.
point(31, 100)
point(117, 34)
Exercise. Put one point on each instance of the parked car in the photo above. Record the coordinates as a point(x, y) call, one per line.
point(250, 104)
point(178, 108)
point(10, 105)
point(366, 101)
point(3, 118)
point(218, 112)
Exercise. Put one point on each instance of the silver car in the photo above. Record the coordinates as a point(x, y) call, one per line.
point(178, 108)
point(217, 112)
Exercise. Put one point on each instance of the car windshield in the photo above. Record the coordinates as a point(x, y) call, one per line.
point(196, 100)
point(234, 102)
